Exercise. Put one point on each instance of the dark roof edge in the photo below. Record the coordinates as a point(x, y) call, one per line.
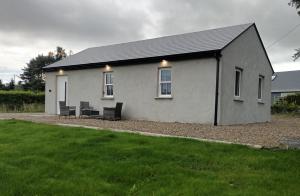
point(285, 90)
point(280, 72)
point(265, 51)
point(260, 40)
point(175, 57)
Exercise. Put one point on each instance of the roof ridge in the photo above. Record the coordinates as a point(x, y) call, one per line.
point(189, 33)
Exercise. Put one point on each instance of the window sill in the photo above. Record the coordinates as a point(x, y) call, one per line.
point(260, 102)
point(164, 97)
point(107, 98)
point(238, 99)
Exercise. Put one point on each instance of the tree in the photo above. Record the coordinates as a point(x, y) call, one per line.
point(19, 86)
point(2, 86)
point(60, 53)
point(296, 4)
point(11, 85)
point(33, 75)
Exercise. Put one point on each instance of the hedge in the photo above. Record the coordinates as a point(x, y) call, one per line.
point(18, 98)
point(288, 104)
point(295, 99)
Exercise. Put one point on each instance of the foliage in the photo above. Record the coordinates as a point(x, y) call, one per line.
point(30, 108)
point(296, 4)
point(11, 85)
point(284, 107)
point(2, 86)
point(33, 75)
point(20, 100)
point(297, 54)
point(288, 104)
point(39, 159)
point(293, 99)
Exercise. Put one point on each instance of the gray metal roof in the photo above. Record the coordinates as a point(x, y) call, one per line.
point(202, 41)
point(286, 81)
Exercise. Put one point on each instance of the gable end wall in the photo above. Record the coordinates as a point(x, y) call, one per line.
point(245, 52)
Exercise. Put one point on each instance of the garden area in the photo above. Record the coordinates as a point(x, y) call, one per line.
point(287, 105)
point(40, 159)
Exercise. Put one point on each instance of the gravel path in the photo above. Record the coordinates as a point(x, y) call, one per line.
point(265, 134)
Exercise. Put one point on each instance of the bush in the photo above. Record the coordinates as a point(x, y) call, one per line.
point(293, 99)
point(20, 100)
point(288, 104)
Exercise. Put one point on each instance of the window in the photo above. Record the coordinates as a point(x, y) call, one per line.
point(108, 84)
point(260, 87)
point(165, 83)
point(237, 84)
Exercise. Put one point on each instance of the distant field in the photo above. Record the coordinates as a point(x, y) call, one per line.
point(39, 159)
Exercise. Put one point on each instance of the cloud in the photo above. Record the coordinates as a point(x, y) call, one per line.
point(32, 27)
point(89, 21)
point(273, 18)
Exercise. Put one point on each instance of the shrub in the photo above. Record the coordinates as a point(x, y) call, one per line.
point(288, 104)
point(293, 99)
point(19, 100)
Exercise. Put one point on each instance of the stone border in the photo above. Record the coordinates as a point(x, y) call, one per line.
point(161, 135)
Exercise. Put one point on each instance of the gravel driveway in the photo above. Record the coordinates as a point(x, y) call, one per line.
point(265, 134)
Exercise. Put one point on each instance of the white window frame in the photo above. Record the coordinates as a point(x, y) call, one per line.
point(164, 82)
point(240, 82)
point(260, 87)
point(105, 85)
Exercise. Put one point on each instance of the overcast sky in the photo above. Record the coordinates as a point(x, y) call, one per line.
point(32, 27)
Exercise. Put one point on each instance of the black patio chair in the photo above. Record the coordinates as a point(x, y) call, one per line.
point(113, 113)
point(66, 110)
point(87, 110)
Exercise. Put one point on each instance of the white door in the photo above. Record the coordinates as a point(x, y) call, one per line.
point(62, 91)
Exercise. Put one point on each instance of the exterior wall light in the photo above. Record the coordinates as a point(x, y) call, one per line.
point(61, 72)
point(164, 63)
point(107, 68)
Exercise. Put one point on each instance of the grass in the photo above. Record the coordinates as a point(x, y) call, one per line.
point(31, 108)
point(39, 159)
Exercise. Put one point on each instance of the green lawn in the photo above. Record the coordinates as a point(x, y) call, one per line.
point(38, 159)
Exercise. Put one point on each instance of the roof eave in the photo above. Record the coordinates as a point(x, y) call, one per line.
point(285, 91)
point(174, 57)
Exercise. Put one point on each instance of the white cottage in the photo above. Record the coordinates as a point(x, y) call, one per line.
point(220, 76)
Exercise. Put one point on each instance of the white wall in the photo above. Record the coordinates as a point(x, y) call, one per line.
point(193, 87)
point(247, 53)
point(193, 90)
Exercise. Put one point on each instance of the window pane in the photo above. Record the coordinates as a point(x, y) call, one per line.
point(109, 90)
point(237, 83)
point(259, 88)
point(111, 79)
point(163, 88)
point(108, 78)
point(169, 88)
point(165, 75)
point(168, 75)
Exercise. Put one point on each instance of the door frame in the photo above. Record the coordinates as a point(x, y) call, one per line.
point(66, 91)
